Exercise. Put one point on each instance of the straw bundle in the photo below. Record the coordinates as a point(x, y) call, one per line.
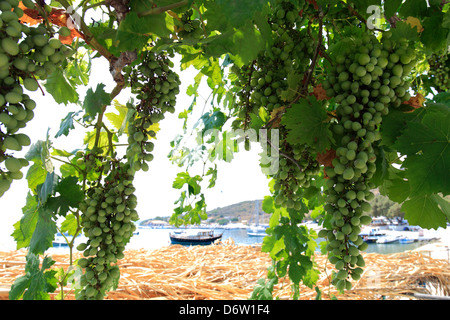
point(227, 271)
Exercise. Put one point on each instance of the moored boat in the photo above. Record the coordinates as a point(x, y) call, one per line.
point(203, 237)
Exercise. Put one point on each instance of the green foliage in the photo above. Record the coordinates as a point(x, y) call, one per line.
point(37, 283)
point(308, 123)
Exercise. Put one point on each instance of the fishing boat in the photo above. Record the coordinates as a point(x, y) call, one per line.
point(202, 237)
point(371, 235)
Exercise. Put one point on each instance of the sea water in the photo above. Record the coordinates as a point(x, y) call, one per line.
point(151, 239)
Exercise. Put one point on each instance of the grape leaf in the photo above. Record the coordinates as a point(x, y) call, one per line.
point(44, 232)
point(427, 146)
point(36, 175)
point(424, 211)
point(24, 228)
point(47, 188)
point(213, 120)
point(307, 123)
point(434, 36)
point(70, 195)
point(120, 120)
point(131, 34)
point(37, 282)
point(192, 182)
point(391, 7)
point(94, 101)
point(61, 90)
point(224, 15)
point(66, 125)
point(413, 8)
point(69, 225)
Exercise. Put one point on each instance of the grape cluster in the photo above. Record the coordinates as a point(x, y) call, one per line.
point(367, 79)
point(265, 81)
point(295, 174)
point(191, 28)
point(26, 54)
point(440, 71)
point(157, 86)
point(107, 221)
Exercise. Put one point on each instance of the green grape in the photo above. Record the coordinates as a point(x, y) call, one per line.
point(20, 47)
point(375, 71)
point(108, 231)
point(156, 85)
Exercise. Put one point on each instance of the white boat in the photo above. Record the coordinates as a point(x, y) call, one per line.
point(257, 229)
point(405, 240)
point(190, 238)
point(388, 239)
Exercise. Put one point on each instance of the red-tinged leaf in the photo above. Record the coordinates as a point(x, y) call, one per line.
point(69, 39)
point(320, 93)
point(326, 158)
point(57, 17)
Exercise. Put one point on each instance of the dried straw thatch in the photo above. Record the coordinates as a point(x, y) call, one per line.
point(228, 271)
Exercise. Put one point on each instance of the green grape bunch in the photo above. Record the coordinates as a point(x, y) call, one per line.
point(440, 71)
point(108, 223)
point(367, 80)
point(157, 86)
point(26, 55)
point(298, 167)
point(265, 82)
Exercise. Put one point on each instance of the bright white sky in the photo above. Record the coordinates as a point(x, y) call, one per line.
point(237, 181)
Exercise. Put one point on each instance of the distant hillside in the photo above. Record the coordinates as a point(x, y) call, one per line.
point(238, 212)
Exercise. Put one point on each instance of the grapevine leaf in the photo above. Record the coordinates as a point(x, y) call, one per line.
point(37, 283)
point(223, 15)
point(47, 188)
point(192, 182)
point(406, 31)
point(24, 228)
point(391, 7)
point(66, 125)
point(427, 146)
point(268, 204)
point(307, 123)
point(424, 211)
point(213, 120)
point(413, 8)
point(119, 121)
point(94, 101)
point(296, 272)
point(131, 33)
point(36, 175)
point(396, 188)
point(61, 90)
point(434, 36)
point(70, 195)
point(213, 173)
point(70, 225)
point(44, 233)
